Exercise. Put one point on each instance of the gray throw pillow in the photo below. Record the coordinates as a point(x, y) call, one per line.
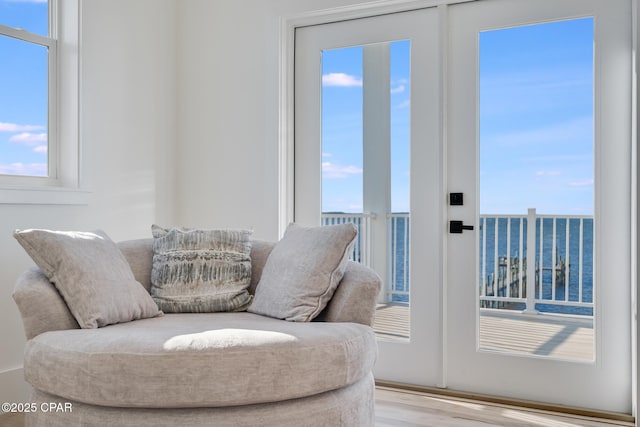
point(91, 274)
point(198, 271)
point(303, 271)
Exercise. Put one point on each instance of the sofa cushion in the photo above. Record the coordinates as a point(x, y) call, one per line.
point(199, 360)
point(139, 254)
point(91, 274)
point(199, 271)
point(303, 271)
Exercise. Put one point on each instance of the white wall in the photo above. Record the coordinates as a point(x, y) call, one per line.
point(128, 129)
point(228, 110)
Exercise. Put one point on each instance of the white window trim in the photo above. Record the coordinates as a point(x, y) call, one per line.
point(64, 183)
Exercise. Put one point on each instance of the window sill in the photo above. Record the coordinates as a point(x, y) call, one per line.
point(44, 196)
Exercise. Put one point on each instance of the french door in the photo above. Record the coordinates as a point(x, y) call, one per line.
point(539, 143)
point(366, 151)
point(482, 150)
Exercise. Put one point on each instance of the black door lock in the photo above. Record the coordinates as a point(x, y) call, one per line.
point(456, 199)
point(456, 227)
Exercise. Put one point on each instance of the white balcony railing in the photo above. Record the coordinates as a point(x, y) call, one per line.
point(562, 267)
point(361, 249)
point(398, 289)
point(562, 271)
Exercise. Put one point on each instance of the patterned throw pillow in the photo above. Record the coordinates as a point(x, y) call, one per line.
point(91, 274)
point(303, 271)
point(198, 271)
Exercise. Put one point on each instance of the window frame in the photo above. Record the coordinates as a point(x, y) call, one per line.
point(62, 185)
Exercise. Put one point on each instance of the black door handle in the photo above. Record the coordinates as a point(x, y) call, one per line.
point(456, 227)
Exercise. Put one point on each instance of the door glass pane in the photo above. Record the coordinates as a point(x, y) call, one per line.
point(365, 165)
point(342, 131)
point(400, 128)
point(536, 248)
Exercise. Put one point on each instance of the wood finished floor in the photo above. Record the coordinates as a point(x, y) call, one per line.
point(405, 408)
point(396, 408)
point(564, 337)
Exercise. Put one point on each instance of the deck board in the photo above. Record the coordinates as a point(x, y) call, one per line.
point(558, 336)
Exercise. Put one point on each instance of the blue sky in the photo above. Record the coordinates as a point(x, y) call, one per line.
point(536, 118)
point(342, 128)
point(536, 121)
point(23, 91)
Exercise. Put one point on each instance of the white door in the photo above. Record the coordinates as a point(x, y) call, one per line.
point(530, 126)
point(367, 150)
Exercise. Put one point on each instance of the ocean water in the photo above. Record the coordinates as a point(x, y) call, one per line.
point(400, 265)
point(567, 254)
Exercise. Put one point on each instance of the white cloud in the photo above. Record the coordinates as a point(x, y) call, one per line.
point(583, 183)
point(341, 80)
point(31, 169)
point(580, 129)
point(325, 155)
point(552, 77)
point(548, 173)
point(331, 171)
point(24, 1)
point(12, 127)
point(397, 89)
point(348, 80)
point(404, 104)
point(28, 138)
point(41, 149)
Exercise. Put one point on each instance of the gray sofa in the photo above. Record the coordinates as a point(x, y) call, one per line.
point(205, 369)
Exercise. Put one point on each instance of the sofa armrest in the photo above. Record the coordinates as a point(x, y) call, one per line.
point(260, 251)
point(41, 306)
point(355, 298)
point(139, 255)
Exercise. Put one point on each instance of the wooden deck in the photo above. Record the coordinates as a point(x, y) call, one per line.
point(559, 336)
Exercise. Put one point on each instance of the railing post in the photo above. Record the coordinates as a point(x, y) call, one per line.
point(531, 262)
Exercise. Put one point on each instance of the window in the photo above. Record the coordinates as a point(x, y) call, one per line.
point(39, 150)
point(28, 84)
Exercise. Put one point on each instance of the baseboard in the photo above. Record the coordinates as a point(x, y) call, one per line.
point(13, 387)
point(507, 401)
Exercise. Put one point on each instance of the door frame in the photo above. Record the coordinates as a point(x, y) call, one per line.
point(286, 164)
